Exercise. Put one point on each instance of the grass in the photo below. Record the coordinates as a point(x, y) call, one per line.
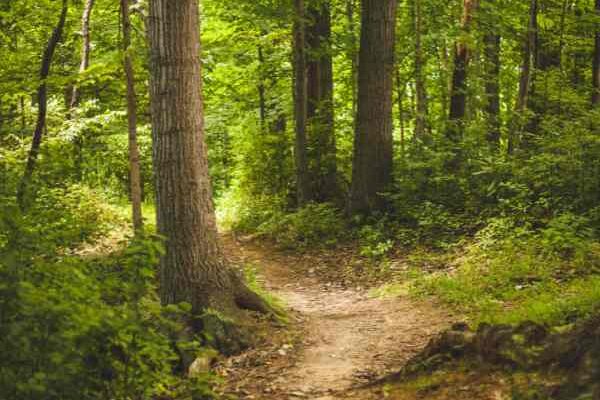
point(516, 282)
point(275, 303)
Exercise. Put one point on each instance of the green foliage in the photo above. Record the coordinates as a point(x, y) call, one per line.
point(74, 327)
point(311, 226)
point(512, 273)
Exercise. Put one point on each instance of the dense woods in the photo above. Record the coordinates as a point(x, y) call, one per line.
point(451, 148)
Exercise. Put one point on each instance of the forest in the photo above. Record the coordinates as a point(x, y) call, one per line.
point(299, 199)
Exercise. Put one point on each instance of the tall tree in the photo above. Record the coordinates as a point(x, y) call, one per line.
point(193, 268)
point(135, 181)
point(42, 99)
point(319, 97)
point(492, 87)
point(529, 50)
point(596, 62)
point(300, 104)
point(85, 48)
point(420, 88)
point(373, 142)
point(458, 95)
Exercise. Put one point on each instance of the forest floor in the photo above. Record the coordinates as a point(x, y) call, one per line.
point(339, 338)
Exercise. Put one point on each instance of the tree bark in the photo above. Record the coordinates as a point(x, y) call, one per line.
point(262, 106)
point(303, 194)
point(529, 50)
point(596, 62)
point(321, 134)
point(193, 268)
point(458, 94)
point(420, 88)
point(85, 49)
point(373, 143)
point(492, 88)
point(42, 99)
point(135, 181)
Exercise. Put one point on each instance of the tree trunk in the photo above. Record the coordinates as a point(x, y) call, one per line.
point(320, 104)
point(525, 77)
point(350, 15)
point(596, 62)
point(420, 89)
point(193, 268)
point(42, 99)
point(492, 88)
point(85, 49)
point(458, 94)
point(300, 105)
point(373, 143)
point(135, 181)
point(262, 106)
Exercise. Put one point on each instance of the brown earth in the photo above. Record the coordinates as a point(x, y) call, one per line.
point(339, 339)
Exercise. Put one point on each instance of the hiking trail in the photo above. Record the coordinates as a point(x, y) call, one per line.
point(343, 338)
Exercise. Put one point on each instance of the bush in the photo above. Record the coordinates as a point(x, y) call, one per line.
point(77, 329)
point(312, 225)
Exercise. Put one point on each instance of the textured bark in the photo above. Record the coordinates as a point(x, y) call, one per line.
point(193, 268)
point(135, 181)
point(321, 135)
point(596, 62)
point(420, 88)
point(300, 104)
point(373, 143)
point(85, 49)
point(492, 88)
point(42, 99)
point(525, 76)
point(458, 94)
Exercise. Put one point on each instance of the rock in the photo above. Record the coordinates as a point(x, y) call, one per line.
point(200, 366)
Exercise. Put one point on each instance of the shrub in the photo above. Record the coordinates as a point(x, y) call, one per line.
point(312, 225)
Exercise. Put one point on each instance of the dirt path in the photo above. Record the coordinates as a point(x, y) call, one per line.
point(341, 337)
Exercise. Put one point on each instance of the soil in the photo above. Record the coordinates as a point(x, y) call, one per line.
point(339, 339)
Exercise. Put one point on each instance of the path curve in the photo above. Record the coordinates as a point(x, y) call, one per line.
point(345, 338)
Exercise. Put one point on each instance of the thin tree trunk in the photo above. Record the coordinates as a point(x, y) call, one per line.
point(529, 50)
point(193, 268)
point(420, 88)
point(262, 106)
point(42, 99)
point(350, 15)
point(458, 94)
point(85, 49)
point(492, 88)
point(373, 143)
point(300, 105)
point(135, 181)
point(596, 62)
point(400, 89)
point(321, 135)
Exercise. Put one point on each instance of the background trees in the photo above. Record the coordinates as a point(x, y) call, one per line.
point(493, 128)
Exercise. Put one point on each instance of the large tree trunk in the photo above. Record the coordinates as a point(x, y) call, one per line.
point(320, 104)
point(596, 62)
point(492, 88)
point(420, 88)
point(42, 99)
point(458, 94)
point(373, 143)
point(193, 268)
point(303, 194)
point(135, 181)
point(85, 49)
point(529, 50)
